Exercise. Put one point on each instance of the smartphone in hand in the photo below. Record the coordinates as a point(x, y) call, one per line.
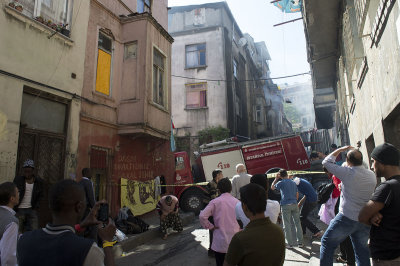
point(102, 214)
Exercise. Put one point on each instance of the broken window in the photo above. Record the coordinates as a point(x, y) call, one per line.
point(158, 78)
point(196, 95)
point(258, 113)
point(235, 68)
point(195, 55)
point(104, 56)
point(143, 6)
point(49, 11)
point(43, 114)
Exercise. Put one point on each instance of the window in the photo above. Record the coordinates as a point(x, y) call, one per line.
point(195, 55)
point(304, 121)
point(179, 163)
point(104, 55)
point(144, 6)
point(238, 110)
point(199, 16)
point(196, 95)
point(130, 50)
point(361, 7)
point(235, 68)
point(258, 113)
point(54, 11)
point(158, 78)
point(43, 114)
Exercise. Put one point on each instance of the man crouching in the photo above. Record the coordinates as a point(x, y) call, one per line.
point(168, 208)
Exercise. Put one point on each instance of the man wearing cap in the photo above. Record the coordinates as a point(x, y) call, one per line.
point(382, 211)
point(30, 189)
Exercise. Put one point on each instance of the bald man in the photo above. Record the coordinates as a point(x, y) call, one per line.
point(358, 184)
point(239, 180)
point(57, 243)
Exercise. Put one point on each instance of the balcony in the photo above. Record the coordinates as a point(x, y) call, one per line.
point(145, 92)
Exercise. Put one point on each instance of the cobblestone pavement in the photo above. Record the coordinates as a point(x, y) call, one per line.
point(190, 248)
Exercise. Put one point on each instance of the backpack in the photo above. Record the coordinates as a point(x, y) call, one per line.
point(324, 192)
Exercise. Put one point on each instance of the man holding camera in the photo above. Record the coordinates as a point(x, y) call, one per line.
point(57, 243)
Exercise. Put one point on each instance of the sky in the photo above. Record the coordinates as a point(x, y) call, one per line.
point(286, 44)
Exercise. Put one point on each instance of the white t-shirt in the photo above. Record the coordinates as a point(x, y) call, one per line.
point(26, 200)
point(272, 211)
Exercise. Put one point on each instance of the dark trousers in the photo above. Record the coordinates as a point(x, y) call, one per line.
point(28, 219)
point(307, 208)
point(219, 258)
point(346, 247)
point(210, 232)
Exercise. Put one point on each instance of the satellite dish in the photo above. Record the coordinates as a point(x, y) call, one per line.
point(242, 42)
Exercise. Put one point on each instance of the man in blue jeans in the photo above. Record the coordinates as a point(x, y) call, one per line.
point(290, 210)
point(358, 184)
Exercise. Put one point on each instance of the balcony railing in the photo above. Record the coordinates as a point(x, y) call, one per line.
point(382, 15)
point(361, 7)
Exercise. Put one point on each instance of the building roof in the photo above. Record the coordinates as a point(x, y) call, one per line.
point(216, 5)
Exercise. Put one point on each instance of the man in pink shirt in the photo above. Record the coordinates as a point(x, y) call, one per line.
point(225, 224)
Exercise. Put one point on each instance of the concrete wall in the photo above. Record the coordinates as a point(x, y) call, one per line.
point(130, 101)
point(215, 113)
point(380, 91)
point(182, 21)
point(26, 51)
point(127, 123)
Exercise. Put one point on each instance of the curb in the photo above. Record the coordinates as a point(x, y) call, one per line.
point(134, 241)
point(314, 254)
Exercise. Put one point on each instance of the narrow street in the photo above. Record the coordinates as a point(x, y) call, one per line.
point(190, 248)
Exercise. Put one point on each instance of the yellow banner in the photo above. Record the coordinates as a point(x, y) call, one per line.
point(103, 72)
point(138, 196)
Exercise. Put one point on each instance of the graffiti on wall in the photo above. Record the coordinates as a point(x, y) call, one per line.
point(129, 167)
point(138, 196)
point(3, 126)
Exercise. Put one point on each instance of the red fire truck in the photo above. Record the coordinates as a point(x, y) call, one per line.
point(258, 156)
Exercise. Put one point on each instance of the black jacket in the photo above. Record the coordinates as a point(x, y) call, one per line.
point(37, 192)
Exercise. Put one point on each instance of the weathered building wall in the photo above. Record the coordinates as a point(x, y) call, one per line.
point(196, 19)
point(124, 132)
point(379, 93)
point(194, 120)
point(46, 65)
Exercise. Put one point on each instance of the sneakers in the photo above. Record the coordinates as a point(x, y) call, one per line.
point(319, 234)
point(289, 246)
point(300, 245)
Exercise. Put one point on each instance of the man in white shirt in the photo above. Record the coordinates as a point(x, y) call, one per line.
point(9, 198)
point(30, 189)
point(273, 207)
point(239, 180)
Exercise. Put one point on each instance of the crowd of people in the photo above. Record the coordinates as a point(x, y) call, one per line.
point(243, 221)
point(364, 218)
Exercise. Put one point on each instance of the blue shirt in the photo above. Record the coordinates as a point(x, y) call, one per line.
point(288, 190)
point(306, 189)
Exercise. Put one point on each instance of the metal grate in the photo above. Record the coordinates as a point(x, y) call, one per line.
point(364, 70)
point(348, 43)
point(50, 159)
point(361, 7)
point(382, 15)
point(48, 152)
